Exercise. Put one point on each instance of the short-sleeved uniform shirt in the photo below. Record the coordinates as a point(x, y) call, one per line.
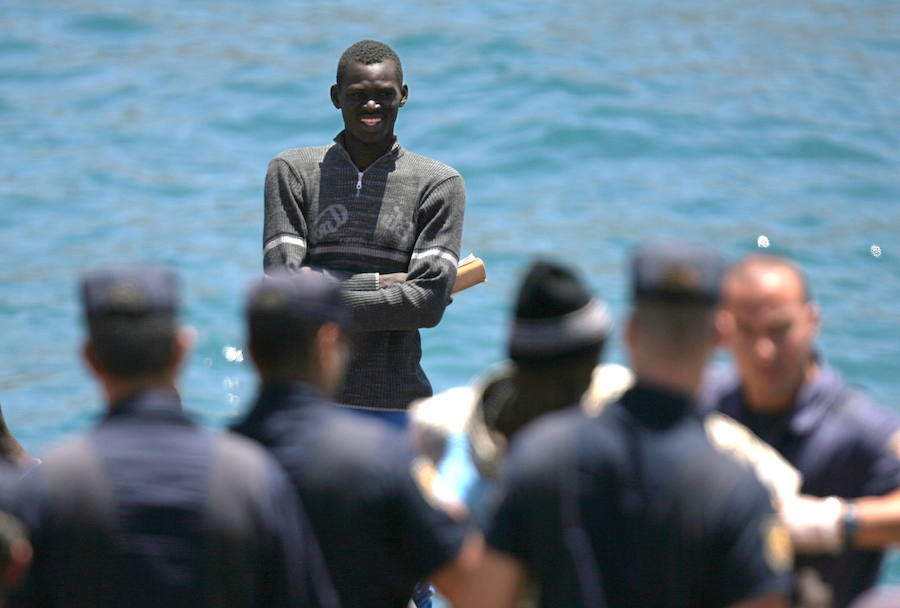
point(147, 509)
point(841, 443)
point(637, 507)
point(357, 480)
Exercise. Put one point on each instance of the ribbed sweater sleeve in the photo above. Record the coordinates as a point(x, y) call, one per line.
point(284, 227)
point(420, 301)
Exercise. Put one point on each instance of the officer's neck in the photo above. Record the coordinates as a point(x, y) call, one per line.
point(118, 389)
point(684, 379)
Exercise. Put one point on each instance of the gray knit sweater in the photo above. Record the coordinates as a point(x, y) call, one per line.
point(404, 213)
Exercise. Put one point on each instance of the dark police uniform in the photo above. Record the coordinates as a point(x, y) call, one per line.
point(636, 508)
point(147, 509)
point(357, 479)
point(841, 443)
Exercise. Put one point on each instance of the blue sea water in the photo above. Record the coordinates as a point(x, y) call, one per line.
point(141, 131)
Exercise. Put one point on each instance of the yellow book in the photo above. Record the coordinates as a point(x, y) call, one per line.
point(470, 271)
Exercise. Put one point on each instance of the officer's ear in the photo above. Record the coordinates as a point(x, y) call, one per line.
point(814, 316)
point(724, 327)
point(185, 338)
point(89, 356)
point(20, 556)
point(330, 356)
point(404, 94)
point(631, 332)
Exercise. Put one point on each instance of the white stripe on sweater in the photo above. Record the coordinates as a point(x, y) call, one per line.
point(284, 239)
point(435, 252)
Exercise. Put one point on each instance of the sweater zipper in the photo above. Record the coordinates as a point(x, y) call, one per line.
point(359, 182)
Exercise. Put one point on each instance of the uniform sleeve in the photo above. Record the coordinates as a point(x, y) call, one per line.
point(756, 555)
point(879, 448)
point(420, 301)
point(295, 569)
point(284, 227)
point(430, 538)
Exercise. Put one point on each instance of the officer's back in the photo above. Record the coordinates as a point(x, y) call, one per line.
point(147, 509)
point(635, 507)
point(357, 478)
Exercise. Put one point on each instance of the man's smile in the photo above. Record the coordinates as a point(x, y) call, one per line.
point(371, 121)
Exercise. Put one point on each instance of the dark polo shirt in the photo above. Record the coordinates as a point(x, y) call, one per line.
point(636, 508)
point(356, 479)
point(841, 443)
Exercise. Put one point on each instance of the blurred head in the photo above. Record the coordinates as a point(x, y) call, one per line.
point(770, 325)
point(296, 329)
point(671, 332)
point(555, 340)
point(369, 92)
point(15, 553)
point(131, 317)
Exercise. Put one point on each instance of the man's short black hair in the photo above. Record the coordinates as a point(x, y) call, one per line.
point(282, 346)
point(132, 347)
point(368, 52)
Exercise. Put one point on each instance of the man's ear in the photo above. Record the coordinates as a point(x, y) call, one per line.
point(404, 94)
point(185, 339)
point(336, 96)
point(724, 327)
point(815, 317)
point(89, 355)
point(20, 556)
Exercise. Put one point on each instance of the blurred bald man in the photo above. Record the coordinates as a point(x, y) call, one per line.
point(843, 445)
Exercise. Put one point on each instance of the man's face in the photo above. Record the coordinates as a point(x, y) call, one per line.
point(369, 97)
point(769, 327)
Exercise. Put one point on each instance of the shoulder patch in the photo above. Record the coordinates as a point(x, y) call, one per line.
point(893, 444)
point(777, 545)
point(426, 477)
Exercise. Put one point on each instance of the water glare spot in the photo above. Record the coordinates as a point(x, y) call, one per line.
point(233, 399)
point(876, 251)
point(231, 384)
point(762, 241)
point(235, 355)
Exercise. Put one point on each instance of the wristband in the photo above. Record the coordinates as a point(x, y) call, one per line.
point(850, 524)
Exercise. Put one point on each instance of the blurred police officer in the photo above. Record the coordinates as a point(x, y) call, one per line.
point(635, 507)
point(364, 488)
point(147, 509)
point(845, 448)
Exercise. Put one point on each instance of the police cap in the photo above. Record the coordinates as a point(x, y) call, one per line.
point(132, 291)
point(677, 272)
point(302, 296)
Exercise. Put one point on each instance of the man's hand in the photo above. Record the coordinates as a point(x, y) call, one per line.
point(815, 524)
point(394, 278)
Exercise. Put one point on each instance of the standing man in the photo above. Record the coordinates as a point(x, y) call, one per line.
point(844, 447)
point(384, 220)
point(635, 507)
point(364, 487)
point(147, 509)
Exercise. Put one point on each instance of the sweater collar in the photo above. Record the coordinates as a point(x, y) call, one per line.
point(395, 151)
